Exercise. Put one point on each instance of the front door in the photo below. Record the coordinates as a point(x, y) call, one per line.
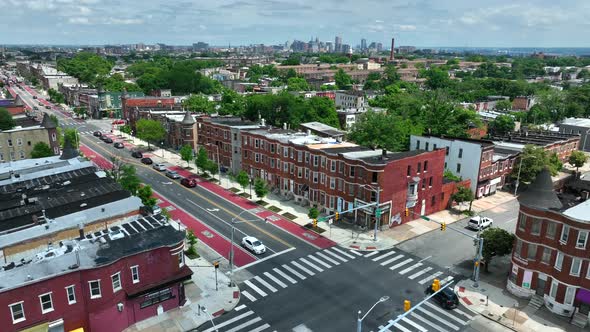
point(181, 297)
point(584, 308)
point(540, 287)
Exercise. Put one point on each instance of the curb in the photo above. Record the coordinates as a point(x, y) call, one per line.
point(460, 290)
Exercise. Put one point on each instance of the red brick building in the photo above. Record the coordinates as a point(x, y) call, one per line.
point(131, 106)
point(550, 259)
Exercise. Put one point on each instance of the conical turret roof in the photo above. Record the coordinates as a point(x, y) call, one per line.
point(188, 119)
point(540, 194)
point(47, 122)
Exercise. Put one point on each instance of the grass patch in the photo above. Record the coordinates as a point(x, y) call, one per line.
point(191, 255)
point(318, 230)
point(234, 190)
point(468, 213)
point(289, 216)
point(244, 195)
point(261, 202)
point(274, 209)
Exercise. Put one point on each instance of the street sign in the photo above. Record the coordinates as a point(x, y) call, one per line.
point(330, 221)
point(425, 218)
point(377, 213)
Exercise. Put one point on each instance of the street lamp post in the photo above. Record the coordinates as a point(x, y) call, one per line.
point(359, 319)
point(234, 222)
point(204, 309)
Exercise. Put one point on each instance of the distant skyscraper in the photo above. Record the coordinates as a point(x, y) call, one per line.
point(379, 47)
point(363, 44)
point(338, 44)
point(329, 47)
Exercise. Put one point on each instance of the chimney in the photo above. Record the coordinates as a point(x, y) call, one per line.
point(391, 55)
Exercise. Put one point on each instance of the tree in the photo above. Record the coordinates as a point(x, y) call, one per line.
point(202, 159)
point(384, 131)
point(126, 129)
point(497, 243)
point(41, 150)
point(212, 167)
point(260, 188)
point(242, 179)
point(342, 79)
point(146, 195)
point(436, 78)
point(6, 120)
point(128, 179)
point(463, 194)
point(192, 241)
point(504, 105)
point(313, 213)
point(73, 136)
point(150, 130)
point(577, 159)
point(198, 103)
point(448, 175)
point(532, 161)
point(186, 153)
point(297, 84)
point(502, 125)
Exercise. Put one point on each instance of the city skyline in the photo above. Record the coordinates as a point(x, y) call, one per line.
point(456, 23)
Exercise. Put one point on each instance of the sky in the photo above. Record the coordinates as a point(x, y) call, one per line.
point(459, 23)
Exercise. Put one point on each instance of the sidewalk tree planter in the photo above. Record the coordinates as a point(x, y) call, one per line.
point(201, 160)
point(274, 209)
point(313, 213)
point(192, 241)
point(150, 131)
point(496, 243)
point(577, 159)
point(242, 179)
point(463, 194)
point(260, 188)
point(186, 153)
point(316, 229)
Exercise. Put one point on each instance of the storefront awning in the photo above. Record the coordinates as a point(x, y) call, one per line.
point(583, 295)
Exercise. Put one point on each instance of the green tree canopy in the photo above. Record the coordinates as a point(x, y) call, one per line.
point(85, 66)
point(242, 179)
point(342, 79)
point(198, 103)
point(150, 130)
point(463, 194)
point(502, 125)
point(297, 84)
point(41, 150)
point(384, 131)
point(146, 195)
point(260, 188)
point(504, 105)
point(186, 153)
point(577, 159)
point(73, 136)
point(6, 120)
point(202, 159)
point(313, 213)
point(497, 243)
point(533, 160)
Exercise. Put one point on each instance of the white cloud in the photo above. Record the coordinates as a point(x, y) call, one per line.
point(78, 20)
point(202, 27)
point(405, 27)
point(123, 21)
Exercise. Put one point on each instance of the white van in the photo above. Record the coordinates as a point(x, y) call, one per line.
point(479, 222)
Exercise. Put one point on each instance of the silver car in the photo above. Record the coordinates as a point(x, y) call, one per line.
point(172, 174)
point(159, 167)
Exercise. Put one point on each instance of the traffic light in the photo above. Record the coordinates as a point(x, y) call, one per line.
point(216, 264)
point(407, 305)
point(336, 216)
point(407, 212)
point(443, 226)
point(435, 285)
point(315, 223)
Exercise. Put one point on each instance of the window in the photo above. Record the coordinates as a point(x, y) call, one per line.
point(256, 143)
point(375, 177)
point(299, 172)
point(582, 237)
point(576, 267)
point(9, 142)
point(551, 226)
point(299, 156)
point(156, 297)
point(426, 146)
point(71, 293)
point(423, 184)
point(558, 261)
point(116, 280)
point(430, 181)
point(323, 162)
point(322, 178)
point(256, 157)
point(565, 232)
point(181, 259)
point(332, 183)
point(433, 146)
point(460, 153)
point(518, 248)
point(19, 141)
point(522, 222)
point(286, 167)
point(135, 274)
point(409, 171)
point(272, 163)
point(351, 171)
point(21, 154)
point(46, 303)
point(315, 177)
point(333, 165)
point(94, 289)
point(18, 312)
point(569, 295)
point(419, 169)
point(315, 160)
point(532, 252)
point(235, 136)
point(417, 145)
point(285, 152)
point(458, 168)
point(307, 157)
point(536, 228)
point(425, 165)
point(432, 200)
point(553, 290)
point(546, 258)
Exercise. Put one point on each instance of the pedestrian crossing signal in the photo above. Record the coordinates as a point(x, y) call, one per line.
point(407, 212)
point(407, 305)
point(443, 227)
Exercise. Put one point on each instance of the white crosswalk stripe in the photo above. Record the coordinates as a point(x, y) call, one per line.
point(254, 288)
point(356, 252)
point(246, 324)
point(336, 256)
point(391, 260)
point(303, 268)
point(295, 273)
point(284, 275)
point(240, 307)
point(277, 281)
point(401, 328)
point(335, 262)
point(376, 259)
point(249, 296)
point(381, 328)
point(430, 277)
point(445, 280)
point(408, 269)
point(419, 273)
point(343, 252)
point(320, 261)
point(265, 284)
point(459, 311)
point(427, 322)
point(446, 313)
point(409, 322)
point(400, 264)
point(317, 268)
point(437, 318)
point(229, 321)
point(372, 253)
point(260, 328)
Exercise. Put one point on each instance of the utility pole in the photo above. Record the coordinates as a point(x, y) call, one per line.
point(377, 214)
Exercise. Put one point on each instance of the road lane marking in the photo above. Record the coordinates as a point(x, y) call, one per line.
point(261, 328)
point(376, 259)
point(372, 253)
point(419, 273)
point(263, 259)
point(334, 255)
point(437, 318)
point(409, 322)
point(391, 260)
point(256, 289)
point(248, 295)
point(284, 275)
point(430, 277)
point(427, 322)
point(317, 268)
point(240, 307)
point(402, 272)
point(328, 266)
point(265, 284)
point(400, 327)
point(303, 268)
point(229, 321)
point(400, 264)
point(446, 313)
point(273, 278)
point(297, 274)
point(335, 262)
point(342, 252)
point(356, 252)
point(246, 324)
point(457, 310)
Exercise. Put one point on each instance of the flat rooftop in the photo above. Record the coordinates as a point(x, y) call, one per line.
point(322, 128)
point(543, 138)
point(98, 249)
point(580, 122)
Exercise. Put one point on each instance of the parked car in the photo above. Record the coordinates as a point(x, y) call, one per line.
point(190, 183)
point(97, 134)
point(159, 167)
point(147, 161)
point(136, 154)
point(108, 140)
point(40, 104)
point(253, 244)
point(479, 222)
point(48, 107)
point(146, 210)
point(446, 298)
point(35, 108)
point(119, 145)
point(116, 234)
point(34, 97)
point(172, 174)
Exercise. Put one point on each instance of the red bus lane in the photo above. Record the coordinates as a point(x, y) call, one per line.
point(205, 234)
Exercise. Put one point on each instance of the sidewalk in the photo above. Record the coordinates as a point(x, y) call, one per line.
point(200, 291)
point(345, 237)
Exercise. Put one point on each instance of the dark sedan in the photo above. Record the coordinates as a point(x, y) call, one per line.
point(147, 161)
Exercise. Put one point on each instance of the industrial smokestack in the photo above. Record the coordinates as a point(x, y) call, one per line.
point(391, 55)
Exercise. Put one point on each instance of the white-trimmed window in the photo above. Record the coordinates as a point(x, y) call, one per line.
point(558, 261)
point(94, 289)
point(135, 274)
point(17, 311)
point(576, 266)
point(582, 238)
point(46, 303)
point(569, 295)
point(71, 293)
point(333, 165)
point(550, 233)
point(116, 280)
point(546, 255)
point(522, 222)
point(565, 233)
point(553, 290)
point(536, 226)
point(181, 259)
point(332, 183)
